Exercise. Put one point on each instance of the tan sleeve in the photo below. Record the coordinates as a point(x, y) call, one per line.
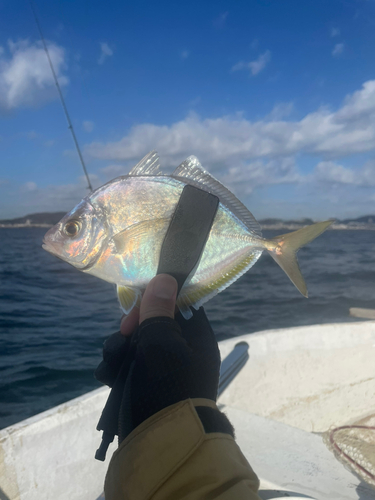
point(169, 456)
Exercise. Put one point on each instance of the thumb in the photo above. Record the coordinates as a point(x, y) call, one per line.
point(159, 298)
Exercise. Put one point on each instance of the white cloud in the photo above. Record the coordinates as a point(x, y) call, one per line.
point(254, 44)
point(335, 32)
point(29, 186)
point(338, 49)
point(229, 140)
point(247, 176)
point(105, 51)
point(281, 110)
point(256, 66)
point(220, 21)
point(112, 171)
point(240, 65)
point(31, 134)
point(88, 126)
point(333, 173)
point(185, 54)
point(32, 198)
point(194, 102)
point(25, 75)
point(247, 155)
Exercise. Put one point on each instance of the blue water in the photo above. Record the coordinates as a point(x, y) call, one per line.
point(54, 319)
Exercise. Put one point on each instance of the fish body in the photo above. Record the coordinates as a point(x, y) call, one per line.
point(116, 233)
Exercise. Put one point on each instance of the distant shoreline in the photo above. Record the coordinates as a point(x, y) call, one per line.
point(279, 226)
point(7, 226)
point(49, 219)
point(336, 227)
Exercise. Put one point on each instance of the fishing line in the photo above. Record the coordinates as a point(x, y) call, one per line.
point(70, 125)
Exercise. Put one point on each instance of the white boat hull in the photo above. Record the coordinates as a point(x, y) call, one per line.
point(297, 382)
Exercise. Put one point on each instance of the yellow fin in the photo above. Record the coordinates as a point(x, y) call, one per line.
point(198, 294)
point(287, 246)
point(128, 298)
point(183, 305)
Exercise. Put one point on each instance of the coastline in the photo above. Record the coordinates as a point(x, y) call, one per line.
point(278, 226)
point(7, 226)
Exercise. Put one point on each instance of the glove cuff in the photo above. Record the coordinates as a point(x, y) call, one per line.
point(214, 421)
point(211, 418)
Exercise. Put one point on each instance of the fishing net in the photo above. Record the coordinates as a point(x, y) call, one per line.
point(354, 446)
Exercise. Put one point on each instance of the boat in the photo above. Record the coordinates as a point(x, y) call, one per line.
point(302, 402)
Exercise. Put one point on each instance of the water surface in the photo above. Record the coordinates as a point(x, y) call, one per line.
point(54, 319)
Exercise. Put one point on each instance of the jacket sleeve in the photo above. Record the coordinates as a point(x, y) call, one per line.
point(170, 457)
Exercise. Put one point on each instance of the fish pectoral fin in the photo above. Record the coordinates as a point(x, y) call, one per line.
point(192, 170)
point(149, 165)
point(129, 236)
point(128, 298)
point(287, 247)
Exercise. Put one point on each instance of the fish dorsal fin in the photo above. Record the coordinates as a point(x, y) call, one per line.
point(128, 298)
point(192, 170)
point(149, 165)
point(128, 238)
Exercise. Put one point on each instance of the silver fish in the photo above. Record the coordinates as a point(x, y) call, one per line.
point(116, 234)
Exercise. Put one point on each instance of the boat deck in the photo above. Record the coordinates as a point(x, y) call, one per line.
point(296, 386)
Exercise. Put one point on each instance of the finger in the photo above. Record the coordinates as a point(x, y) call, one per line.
point(130, 322)
point(159, 298)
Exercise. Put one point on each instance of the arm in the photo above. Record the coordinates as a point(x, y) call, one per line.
point(180, 445)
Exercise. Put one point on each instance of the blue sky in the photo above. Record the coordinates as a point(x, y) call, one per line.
point(276, 98)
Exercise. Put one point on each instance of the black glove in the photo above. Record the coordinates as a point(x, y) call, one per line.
point(175, 360)
point(167, 361)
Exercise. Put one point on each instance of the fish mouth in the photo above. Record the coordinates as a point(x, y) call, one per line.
point(49, 248)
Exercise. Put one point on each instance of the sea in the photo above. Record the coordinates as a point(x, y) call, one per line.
point(54, 319)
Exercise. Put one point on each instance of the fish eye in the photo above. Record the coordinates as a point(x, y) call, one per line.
point(72, 228)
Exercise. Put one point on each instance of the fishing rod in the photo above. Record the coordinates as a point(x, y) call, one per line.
point(70, 125)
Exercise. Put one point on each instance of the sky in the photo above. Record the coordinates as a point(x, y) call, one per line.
point(275, 98)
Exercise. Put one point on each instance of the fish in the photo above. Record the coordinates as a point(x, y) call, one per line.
point(116, 234)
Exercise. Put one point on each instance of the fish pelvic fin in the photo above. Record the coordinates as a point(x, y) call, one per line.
point(283, 250)
point(128, 298)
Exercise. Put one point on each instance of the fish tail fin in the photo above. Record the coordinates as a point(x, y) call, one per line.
point(287, 246)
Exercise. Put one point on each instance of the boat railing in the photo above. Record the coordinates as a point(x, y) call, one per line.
point(232, 365)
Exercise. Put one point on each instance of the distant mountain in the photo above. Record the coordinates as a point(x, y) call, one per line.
point(44, 218)
point(267, 222)
point(366, 219)
point(364, 222)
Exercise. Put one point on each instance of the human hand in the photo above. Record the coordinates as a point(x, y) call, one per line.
point(153, 304)
point(159, 299)
point(174, 359)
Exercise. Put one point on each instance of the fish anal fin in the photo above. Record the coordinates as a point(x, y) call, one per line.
point(149, 165)
point(128, 298)
point(184, 308)
point(197, 294)
point(192, 171)
point(283, 250)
